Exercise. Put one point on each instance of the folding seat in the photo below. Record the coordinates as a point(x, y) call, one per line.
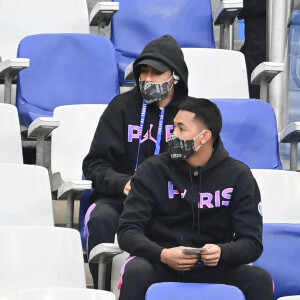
point(33, 257)
point(280, 195)
point(249, 132)
point(281, 231)
point(70, 143)
point(137, 23)
point(19, 19)
point(64, 294)
point(10, 137)
point(25, 196)
point(216, 73)
point(65, 69)
point(193, 291)
point(281, 258)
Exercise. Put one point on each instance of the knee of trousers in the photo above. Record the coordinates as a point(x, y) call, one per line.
point(102, 229)
point(103, 220)
point(140, 271)
point(260, 277)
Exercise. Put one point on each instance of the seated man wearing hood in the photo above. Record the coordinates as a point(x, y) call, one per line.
point(135, 125)
point(193, 214)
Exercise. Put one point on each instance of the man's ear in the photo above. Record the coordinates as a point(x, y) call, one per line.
point(206, 136)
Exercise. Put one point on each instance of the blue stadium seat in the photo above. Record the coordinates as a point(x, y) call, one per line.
point(19, 19)
point(193, 291)
point(249, 132)
point(281, 257)
point(139, 22)
point(65, 69)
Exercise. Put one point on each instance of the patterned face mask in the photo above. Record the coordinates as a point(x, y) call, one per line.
point(155, 92)
point(182, 149)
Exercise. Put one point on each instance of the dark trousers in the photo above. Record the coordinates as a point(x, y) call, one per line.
point(102, 225)
point(254, 48)
point(254, 282)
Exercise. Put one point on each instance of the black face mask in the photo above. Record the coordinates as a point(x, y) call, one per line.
point(182, 149)
point(155, 92)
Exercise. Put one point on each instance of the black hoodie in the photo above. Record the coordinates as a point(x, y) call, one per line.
point(113, 154)
point(173, 204)
point(253, 8)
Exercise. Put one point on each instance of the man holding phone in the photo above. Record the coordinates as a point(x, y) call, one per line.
point(192, 214)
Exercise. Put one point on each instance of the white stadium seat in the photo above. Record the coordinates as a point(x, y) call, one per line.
point(64, 294)
point(33, 257)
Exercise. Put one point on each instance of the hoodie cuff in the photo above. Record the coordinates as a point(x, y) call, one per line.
point(122, 180)
point(225, 252)
point(156, 254)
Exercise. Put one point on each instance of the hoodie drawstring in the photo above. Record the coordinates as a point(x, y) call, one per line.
point(193, 202)
point(198, 216)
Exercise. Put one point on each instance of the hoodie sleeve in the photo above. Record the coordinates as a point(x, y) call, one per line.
point(106, 149)
point(246, 246)
point(136, 217)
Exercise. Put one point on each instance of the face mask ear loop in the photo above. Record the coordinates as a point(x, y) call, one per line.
point(199, 134)
point(197, 137)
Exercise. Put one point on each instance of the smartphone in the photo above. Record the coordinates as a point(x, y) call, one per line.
point(193, 250)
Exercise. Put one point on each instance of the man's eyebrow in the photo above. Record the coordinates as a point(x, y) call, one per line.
point(179, 124)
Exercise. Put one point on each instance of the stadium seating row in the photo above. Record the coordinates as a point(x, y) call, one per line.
point(54, 67)
point(279, 190)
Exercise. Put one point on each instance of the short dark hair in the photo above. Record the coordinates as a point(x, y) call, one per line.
point(206, 112)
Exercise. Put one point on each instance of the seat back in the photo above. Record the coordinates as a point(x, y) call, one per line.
point(193, 291)
point(10, 137)
point(25, 196)
point(33, 257)
point(280, 195)
point(65, 69)
point(71, 141)
point(216, 73)
point(249, 132)
point(65, 294)
point(139, 22)
point(19, 19)
point(281, 257)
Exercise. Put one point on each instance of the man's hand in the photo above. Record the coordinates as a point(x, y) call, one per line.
point(127, 188)
point(177, 260)
point(211, 256)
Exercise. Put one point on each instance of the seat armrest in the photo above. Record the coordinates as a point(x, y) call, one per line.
point(9, 68)
point(42, 126)
point(102, 254)
point(40, 129)
point(13, 66)
point(291, 134)
point(263, 74)
point(266, 71)
point(72, 190)
point(227, 11)
point(102, 13)
point(74, 187)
